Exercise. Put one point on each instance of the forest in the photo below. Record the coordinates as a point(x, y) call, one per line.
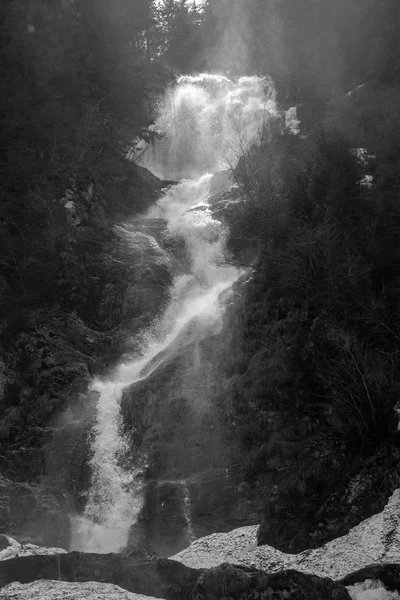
point(317, 331)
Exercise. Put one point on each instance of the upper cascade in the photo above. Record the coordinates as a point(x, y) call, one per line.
point(205, 120)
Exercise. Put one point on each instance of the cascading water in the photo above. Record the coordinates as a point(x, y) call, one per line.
point(187, 512)
point(203, 122)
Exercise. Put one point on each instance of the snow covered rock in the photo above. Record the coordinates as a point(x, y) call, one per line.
point(375, 540)
point(62, 590)
point(372, 589)
point(15, 549)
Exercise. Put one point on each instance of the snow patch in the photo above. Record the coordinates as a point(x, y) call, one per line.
point(16, 550)
point(371, 589)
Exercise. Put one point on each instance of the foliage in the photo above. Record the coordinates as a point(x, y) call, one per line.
point(316, 332)
point(74, 102)
point(79, 87)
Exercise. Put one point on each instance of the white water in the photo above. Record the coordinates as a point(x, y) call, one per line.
point(187, 512)
point(205, 119)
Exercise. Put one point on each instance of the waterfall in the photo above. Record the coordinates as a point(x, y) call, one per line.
point(191, 536)
point(203, 122)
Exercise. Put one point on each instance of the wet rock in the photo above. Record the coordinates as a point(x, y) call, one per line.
point(6, 542)
point(34, 513)
point(163, 578)
point(147, 178)
point(170, 418)
point(5, 518)
point(163, 526)
point(228, 581)
point(3, 378)
point(147, 272)
point(29, 568)
point(333, 511)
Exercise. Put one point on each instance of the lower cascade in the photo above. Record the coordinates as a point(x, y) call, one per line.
point(204, 121)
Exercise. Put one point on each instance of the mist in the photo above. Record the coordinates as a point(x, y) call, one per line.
point(310, 49)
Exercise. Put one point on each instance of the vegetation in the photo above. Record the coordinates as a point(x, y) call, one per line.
point(320, 237)
point(312, 389)
point(78, 90)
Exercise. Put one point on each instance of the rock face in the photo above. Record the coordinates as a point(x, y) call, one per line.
point(148, 270)
point(34, 512)
point(172, 419)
